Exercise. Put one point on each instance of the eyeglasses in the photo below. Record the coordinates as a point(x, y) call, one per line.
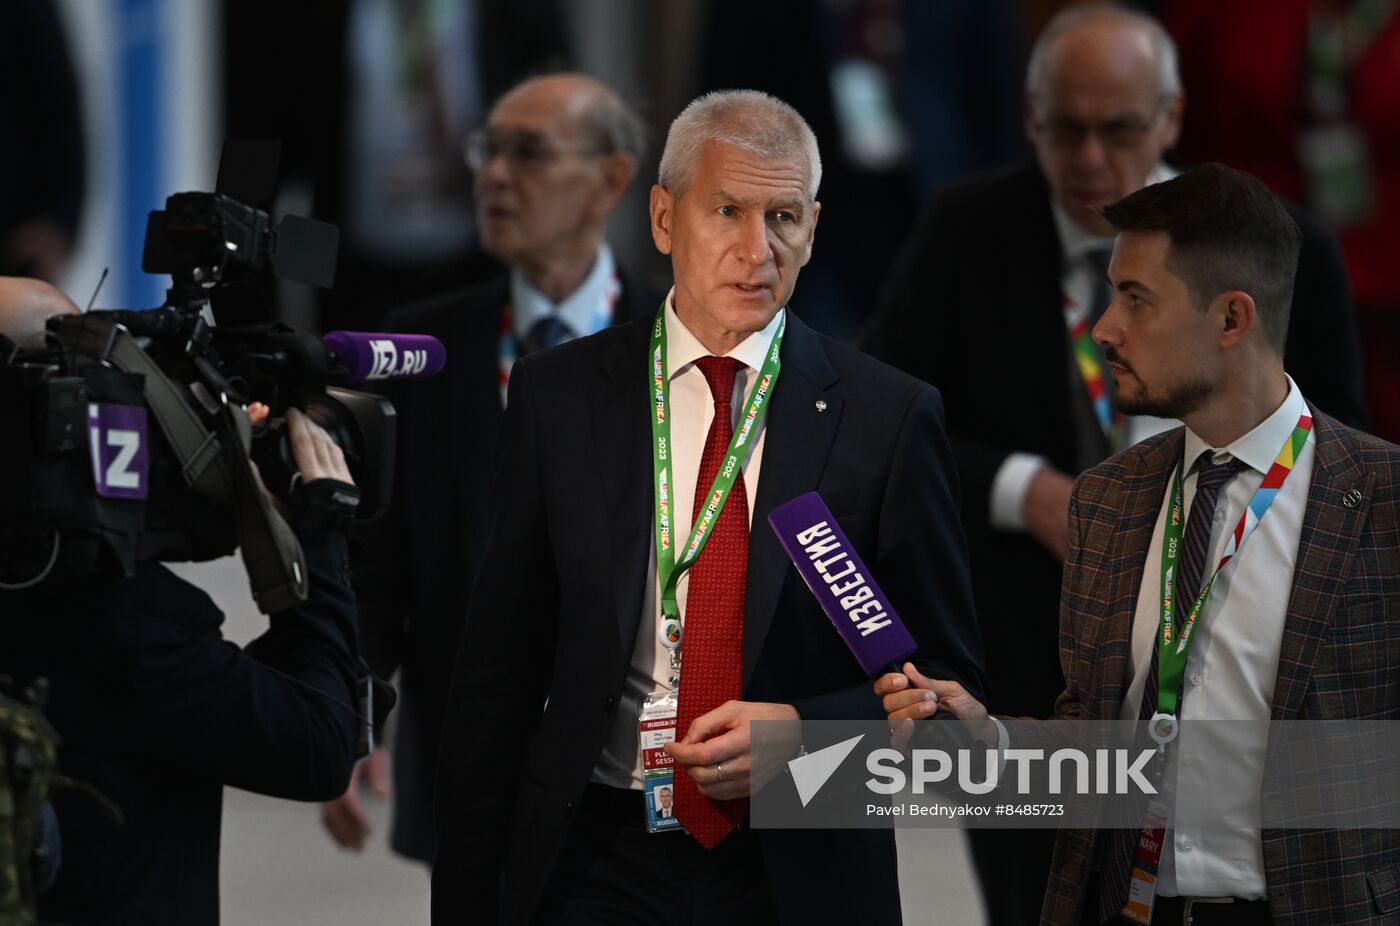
point(1117, 134)
point(522, 150)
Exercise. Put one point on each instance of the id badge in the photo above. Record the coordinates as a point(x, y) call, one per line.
point(1336, 162)
point(1142, 890)
point(657, 727)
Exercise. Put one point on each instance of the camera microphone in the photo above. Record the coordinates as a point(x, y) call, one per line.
point(374, 356)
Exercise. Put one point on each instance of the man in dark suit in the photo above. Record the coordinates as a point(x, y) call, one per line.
point(552, 162)
point(577, 620)
point(993, 302)
point(1304, 622)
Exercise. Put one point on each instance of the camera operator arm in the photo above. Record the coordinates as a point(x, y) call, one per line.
point(144, 684)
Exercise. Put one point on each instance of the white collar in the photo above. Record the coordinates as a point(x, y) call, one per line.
point(684, 348)
point(1259, 448)
point(586, 310)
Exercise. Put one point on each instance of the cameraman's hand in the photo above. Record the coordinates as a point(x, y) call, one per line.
point(344, 817)
point(316, 455)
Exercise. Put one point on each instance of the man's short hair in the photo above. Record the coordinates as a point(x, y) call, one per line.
point(749, 119)
point(1163, 48)
point(612, 126)
point(1228, 232)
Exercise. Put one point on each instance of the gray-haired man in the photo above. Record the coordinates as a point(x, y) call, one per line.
point(551, 164)
point(572, 634)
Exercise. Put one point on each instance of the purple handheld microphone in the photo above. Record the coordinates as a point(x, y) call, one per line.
point(845, 589)
point(370, 356)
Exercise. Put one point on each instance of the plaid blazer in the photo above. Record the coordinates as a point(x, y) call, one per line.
point(1340, 657)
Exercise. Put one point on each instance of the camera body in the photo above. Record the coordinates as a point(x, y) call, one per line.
point(126, 435)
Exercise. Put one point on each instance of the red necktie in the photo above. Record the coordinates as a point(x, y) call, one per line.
point(712, 647)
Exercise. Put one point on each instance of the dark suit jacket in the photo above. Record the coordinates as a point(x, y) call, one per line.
point(414, 578)
point(974, 307)
point(1340, 657)
point(557, 609)
point(158, 712)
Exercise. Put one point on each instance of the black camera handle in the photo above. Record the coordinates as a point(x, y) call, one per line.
point(195, 446)
point(271, 552)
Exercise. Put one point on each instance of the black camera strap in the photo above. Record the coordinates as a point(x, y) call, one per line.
point(272, 555)
point(196, 447)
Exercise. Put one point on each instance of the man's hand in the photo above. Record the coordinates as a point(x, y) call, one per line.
point(715, 750)
point(343, 817)
point(1047, 510)
point(319, 457)
point(904, 705)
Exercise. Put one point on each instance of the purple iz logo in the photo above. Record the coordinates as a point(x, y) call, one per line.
point(117, 445)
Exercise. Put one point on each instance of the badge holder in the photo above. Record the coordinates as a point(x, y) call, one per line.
point(1142, 890)
point(657, 728)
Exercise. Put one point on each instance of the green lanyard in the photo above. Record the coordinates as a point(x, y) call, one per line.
point(668, 570)
point(1173, 642)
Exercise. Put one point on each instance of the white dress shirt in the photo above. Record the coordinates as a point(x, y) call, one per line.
point(587, 310)
point(1013, 478)
point(692, 411)
point(1232, 664)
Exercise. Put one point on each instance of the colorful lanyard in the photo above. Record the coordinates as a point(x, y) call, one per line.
point(1091, 372)
point(668, 570)
point(1173, 648)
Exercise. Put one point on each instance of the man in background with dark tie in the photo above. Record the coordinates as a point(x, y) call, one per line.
point(551, 163)
point(1288, 574)
point(993, 302)
point(593, 622)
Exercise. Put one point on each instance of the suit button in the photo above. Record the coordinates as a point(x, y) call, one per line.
point(609, 703)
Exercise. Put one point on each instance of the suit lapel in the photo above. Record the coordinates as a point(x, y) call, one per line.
point(622, 449)
point(796, 444)
point(1131, 506)
point(1331, 530)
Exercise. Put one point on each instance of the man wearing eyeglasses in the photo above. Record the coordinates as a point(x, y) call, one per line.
point(553, 160)
point(993, 301)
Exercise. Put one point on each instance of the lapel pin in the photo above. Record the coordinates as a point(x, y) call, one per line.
point(821, 407)
point(1352, 498)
